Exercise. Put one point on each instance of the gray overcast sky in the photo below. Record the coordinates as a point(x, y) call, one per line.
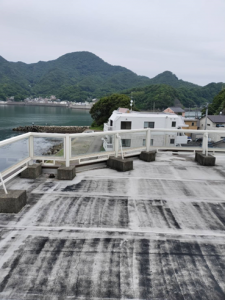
point(148, 37)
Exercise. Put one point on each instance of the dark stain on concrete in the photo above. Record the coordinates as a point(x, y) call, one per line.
point(98, 186)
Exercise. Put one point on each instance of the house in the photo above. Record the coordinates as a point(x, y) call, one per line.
point(192, 124)
point(138, 120)
point(175, 110)
point(214, 122)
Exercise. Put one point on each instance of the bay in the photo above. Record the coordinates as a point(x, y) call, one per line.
point(15, 116)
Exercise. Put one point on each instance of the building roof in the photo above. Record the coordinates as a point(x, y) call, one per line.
point(142, 114)
point(217, 118)
point(176, 109)
point(190, 120)
point(157, 231)
point(123, 110)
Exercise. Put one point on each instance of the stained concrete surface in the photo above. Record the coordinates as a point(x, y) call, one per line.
point(156, 232)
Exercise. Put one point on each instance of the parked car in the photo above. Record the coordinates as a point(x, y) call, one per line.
point(198, 140)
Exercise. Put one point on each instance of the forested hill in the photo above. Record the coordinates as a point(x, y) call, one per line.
point(78, 75)
point(171, 79)
point(161, 95)
point(73, 76)
point(218, 104)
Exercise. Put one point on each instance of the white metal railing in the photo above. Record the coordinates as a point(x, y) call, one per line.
point(88, 152)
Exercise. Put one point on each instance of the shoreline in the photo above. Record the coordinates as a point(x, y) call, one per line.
point(34, 104)
point(85, 107)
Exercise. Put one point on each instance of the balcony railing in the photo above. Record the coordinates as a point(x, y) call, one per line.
point(107, 127)
point(17, 152)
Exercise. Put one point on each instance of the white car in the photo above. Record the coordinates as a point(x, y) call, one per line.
point(89, 131)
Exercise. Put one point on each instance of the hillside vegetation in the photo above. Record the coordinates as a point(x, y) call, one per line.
point(161, 95)
point(218, 104)
point(76, 76)
point(73, 76)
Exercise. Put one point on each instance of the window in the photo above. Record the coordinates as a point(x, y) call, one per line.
point(125, 143)
point(208, 124)
point(149, 124)
point(125, 125)
point(144, 142)
point(193, 124)
point(111, 122)
point(173, 124)
point(172, 141)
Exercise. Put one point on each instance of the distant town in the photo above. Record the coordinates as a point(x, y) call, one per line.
point(50, 101)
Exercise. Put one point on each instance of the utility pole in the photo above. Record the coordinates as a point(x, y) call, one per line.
point(131, 102)
point(206, 115)
point(196, 113)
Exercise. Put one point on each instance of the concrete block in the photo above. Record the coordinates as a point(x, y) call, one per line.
point(147, 155)
point(12, 202)
point(204, 160)
point(120, 164)
point(66, 173)
point(32, 171)
point(196, 155)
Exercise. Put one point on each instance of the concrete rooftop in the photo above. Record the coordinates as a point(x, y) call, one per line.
point(157, 232)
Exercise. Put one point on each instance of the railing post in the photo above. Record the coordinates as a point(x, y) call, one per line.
point(148, 139)
point(205, 143)
point(31, 148)
point(120, 145)
point(67, 153)
point(3, 184)
point(116, 144)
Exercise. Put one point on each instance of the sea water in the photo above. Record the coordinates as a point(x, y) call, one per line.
point(15, 116)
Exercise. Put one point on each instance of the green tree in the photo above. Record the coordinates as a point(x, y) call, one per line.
point(102, 110)
point(218, 103)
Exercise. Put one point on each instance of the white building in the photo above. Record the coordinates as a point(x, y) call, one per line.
point(123, 119)
point(214, 122)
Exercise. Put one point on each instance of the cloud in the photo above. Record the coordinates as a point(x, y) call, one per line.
point(148, 37)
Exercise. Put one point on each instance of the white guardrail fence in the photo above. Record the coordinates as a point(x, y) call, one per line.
point(18, 152)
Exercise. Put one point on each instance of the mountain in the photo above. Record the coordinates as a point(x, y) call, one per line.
point(78, 75)
point(72, 76)
point(171, 79)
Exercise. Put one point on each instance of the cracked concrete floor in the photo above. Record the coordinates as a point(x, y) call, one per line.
point(157, 232)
